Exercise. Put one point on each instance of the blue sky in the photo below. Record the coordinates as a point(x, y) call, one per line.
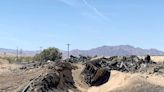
point(85, 24)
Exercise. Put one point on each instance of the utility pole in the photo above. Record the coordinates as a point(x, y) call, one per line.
point(4, 53)
point(21, 52)
point(40, 49)
point(68, 45)
point(17, 53)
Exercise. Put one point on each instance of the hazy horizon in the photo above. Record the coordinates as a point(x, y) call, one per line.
point(80, 49)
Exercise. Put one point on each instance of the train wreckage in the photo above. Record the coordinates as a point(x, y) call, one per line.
point(57, 76)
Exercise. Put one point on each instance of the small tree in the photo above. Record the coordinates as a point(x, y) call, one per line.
point(51, 54)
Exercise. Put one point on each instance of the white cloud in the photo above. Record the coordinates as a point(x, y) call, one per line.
point(71, 3)
point(94, 9)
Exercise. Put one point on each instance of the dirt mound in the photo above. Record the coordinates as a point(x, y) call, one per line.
point(57, 77)
point(141, 87)
point(43, 83)
point(126, 82)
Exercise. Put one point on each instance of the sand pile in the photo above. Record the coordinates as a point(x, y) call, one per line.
point(126, 82)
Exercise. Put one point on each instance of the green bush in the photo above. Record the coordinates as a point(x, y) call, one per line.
point(51, 54)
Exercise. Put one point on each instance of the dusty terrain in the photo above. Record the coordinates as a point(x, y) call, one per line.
point(158, 58)
point(6, 67)
point(125, 82)
point(13, 79)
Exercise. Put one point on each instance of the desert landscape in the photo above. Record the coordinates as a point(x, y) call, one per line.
point(158, 58)
point(41, 77)
point(81, 46)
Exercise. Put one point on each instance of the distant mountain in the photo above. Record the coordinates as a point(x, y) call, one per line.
point(120, 50)
point(4, 51)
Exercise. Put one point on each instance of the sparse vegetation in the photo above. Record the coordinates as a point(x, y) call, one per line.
point(12, 59)
point(51, 54)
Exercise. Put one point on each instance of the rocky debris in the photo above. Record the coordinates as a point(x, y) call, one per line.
point(32, 65)
point(94, 75)
point(151, 68)
point(44, 83)
point(122, 63)
point(134, 64)
point(128, 64)
point(159, 69)
point(84, 58)
point(57, 78)
point(74, 59)
point(97, 71)
point(147, 59)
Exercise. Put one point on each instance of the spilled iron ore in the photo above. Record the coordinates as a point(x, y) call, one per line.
point(95, 75)
point(56, 78)
point(97, 71)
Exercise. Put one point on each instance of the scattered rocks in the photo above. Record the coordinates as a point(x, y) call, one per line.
point(74, 59)
point(124, 64)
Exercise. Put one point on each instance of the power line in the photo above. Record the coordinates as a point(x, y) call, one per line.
point(68, 45)
point(21, 54)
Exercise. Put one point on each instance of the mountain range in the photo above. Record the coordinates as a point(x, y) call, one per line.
point(12, 52)
point(121, 50)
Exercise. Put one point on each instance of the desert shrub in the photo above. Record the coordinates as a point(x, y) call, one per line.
point(13, 59)
point(25, 59)
point(10, 59)
point(51, 54)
